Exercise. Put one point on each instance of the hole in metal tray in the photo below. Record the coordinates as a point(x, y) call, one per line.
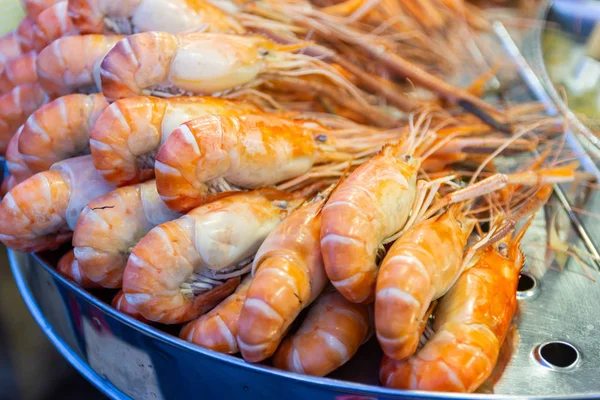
point(528, 286)
point(558, 355)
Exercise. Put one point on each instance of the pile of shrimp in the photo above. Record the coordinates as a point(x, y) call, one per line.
point(285, 180)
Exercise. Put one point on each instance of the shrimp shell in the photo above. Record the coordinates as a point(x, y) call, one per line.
point(131, 16)
point(51, 24)
point(470, 325)
point(251, 152)
point(14, 159)
point(69, 267)
point(119, 303)
point(40, 212)
point(16, 106)
point(217, 330)
point(330, 335)
point(128, 134)
point(72, 63)
point(288, 276)
point(7, 184)
point(111, 225)
point(419, 268)
point(18, 71)
point(33, 8)
point(59, 130)
point(10, 47)
point(372, 204)
point(166, 265)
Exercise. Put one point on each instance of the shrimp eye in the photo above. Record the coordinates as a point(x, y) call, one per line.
point(263, 52)
point(406, 157)
point(503, 249)
point(322, 138)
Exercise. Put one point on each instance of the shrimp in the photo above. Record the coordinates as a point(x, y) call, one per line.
point(330, 335)
point(471, 322)
point(110, 226)
point(288, 276)
point(204, 63)
point(51, 24)
point(14, 159)
point(120, 304)
point(206, 154)
point(217, 330)
point(132, 16)
point(176, 263)
point(69, 267)
point(128, 134)
point(33, 8)
point(419, 268)
point(40, 212)
point(16, 106)
point(59, 130)
point(18, 71)
point(17, 42)
point(72, 63)
point(372, 204)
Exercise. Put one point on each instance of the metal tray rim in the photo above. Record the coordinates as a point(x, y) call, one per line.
point(114, 393)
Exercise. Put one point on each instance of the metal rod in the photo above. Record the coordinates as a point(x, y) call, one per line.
point(538, 90)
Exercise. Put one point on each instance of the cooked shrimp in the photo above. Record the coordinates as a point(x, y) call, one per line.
point(17, 42)
point(330, 335)
point(51, 24)
point(18, 71)
point(288, 276)
point(176, 263)
point(470, 325)
point(217, 330)
point(40, 212)
point(72, 63)
point(14, 159)
point(128, 134)
point(120, 303)
point(33, 8)
point(111, 225)
point(204, 63)
point(372, 204)
point(132, 16)
point(69, 267)
point(253, 151)
point(419, 268)
point(60, 130)
point(16, 106)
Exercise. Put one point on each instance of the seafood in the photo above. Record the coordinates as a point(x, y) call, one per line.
point(51, 24)
point(132, 16)
point(7, 184)
point(17, 42)
point(215, 153)
point(40, 212)
point(204, 63)
point(288, 275)
point(330, 335)
point(110, 226)
point(179, 262)
point(120, 303)
point(372, 204)
point(419, 268)
point(14, 159)
point(128, 134)
point(69, 267)
point(18, 71)
point(34, 7)
point(16, 106)
point(59, 130)
point(217, 330)
point(72, 63)
point(471, 322)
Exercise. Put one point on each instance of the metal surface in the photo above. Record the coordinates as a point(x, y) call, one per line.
point(128, 359)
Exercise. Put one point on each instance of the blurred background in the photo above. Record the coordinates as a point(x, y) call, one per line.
point(30, 367)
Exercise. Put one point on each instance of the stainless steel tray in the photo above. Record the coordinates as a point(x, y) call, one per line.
point(128, 359)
